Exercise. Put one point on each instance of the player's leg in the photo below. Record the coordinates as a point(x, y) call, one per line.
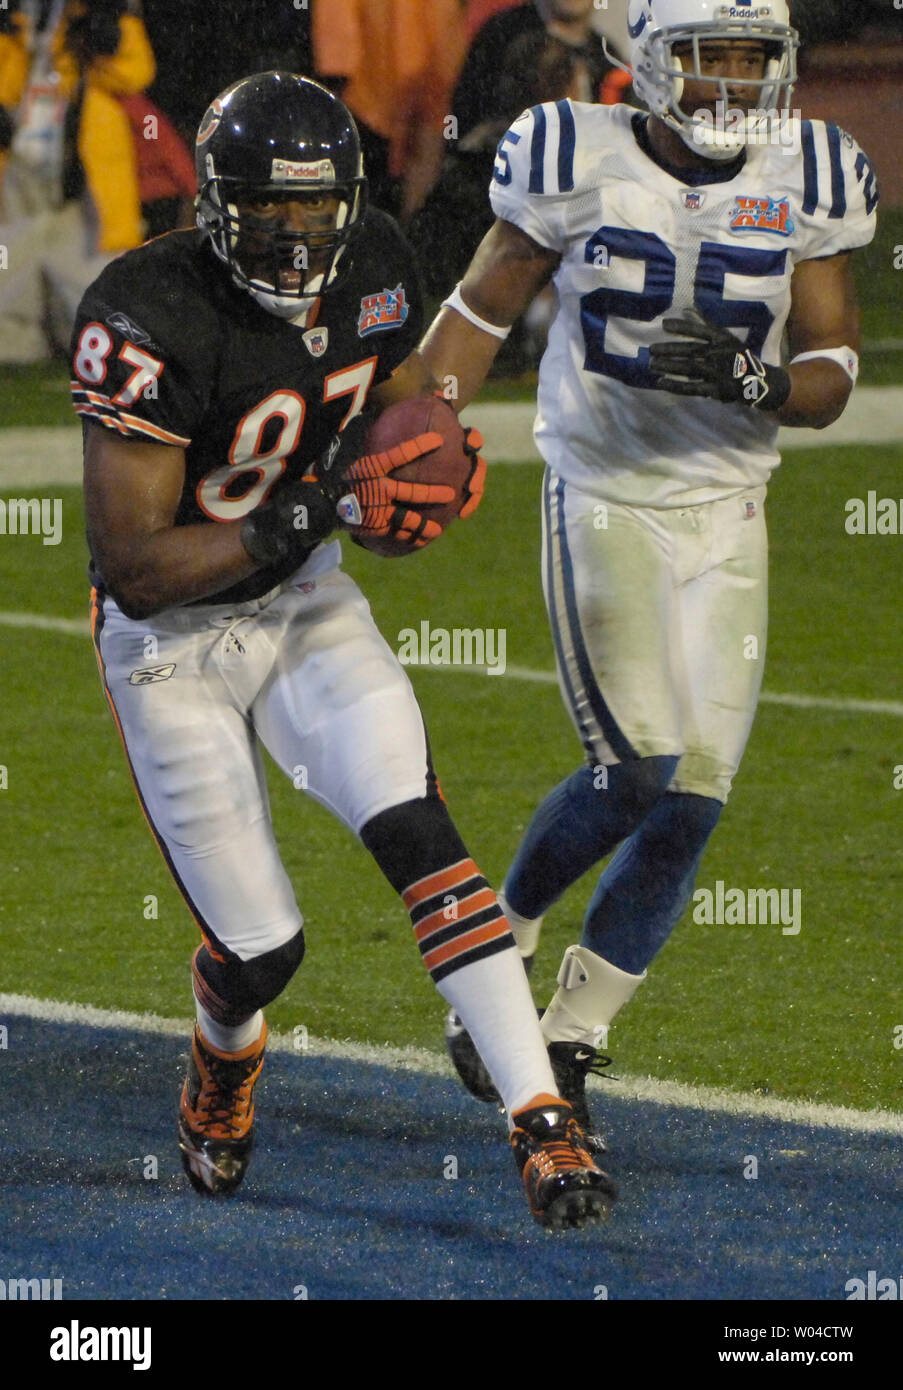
point(339, 705)
point(608, 589)
point(177, 687)
point(607, 578)
point(719, 636)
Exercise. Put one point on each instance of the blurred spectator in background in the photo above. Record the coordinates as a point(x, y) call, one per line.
point(478, 11)
point(593, 77)
point(394, 63)
point(69, 195)
point(167, 181)
point(529, 54)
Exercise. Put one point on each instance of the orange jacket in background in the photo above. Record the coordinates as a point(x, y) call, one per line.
point(105, 145)
point(401, 59)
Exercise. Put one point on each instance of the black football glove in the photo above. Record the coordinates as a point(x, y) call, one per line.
point(714, 363)
point(6, 17)
point(302, 512)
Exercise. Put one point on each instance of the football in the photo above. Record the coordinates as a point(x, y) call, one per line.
point(449, 464)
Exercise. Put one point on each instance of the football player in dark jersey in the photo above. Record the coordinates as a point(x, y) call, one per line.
point(222, 377)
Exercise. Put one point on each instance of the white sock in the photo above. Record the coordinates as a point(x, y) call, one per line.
point(525, 930)
point(229, 1039)
point(493, 1000)
point(590, 992)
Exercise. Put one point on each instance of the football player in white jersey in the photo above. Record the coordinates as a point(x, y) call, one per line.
point(687, 246)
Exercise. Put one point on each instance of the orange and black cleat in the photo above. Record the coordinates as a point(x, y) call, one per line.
point(563, 1184)
point(216, 1114)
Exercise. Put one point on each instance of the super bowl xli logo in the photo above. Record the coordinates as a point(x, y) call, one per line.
point(752, 214)
point(388, 309)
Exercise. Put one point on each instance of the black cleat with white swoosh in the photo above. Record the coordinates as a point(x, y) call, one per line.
point(571, 1064)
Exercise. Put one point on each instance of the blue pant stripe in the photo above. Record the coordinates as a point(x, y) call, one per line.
point(554, 619)
point(620, 745)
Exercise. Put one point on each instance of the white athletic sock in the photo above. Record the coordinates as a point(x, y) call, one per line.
point(229, 1039)
point(525, 930)
point(493, 1000)
point(590, 992)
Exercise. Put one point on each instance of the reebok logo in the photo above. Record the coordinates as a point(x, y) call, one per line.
point(77, 1343)
point(128, 328)
point(148, 674)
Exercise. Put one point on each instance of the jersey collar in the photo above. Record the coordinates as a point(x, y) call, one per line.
point(720, 173)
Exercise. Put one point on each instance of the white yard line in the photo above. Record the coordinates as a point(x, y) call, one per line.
point(51, 456)
point(643, 1088)
point(40, 622)
point(80, 627)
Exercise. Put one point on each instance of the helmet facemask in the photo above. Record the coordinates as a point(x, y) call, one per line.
point(660, 78)
point(259, 251)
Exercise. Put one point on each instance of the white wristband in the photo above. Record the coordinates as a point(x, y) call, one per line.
point(844, 357)
point(455, 301)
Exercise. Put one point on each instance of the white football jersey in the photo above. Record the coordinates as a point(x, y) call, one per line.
point(640, 244)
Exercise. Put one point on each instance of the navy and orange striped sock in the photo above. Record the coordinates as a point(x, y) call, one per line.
point(467, 946)
point(456, 917)
point(465, 942)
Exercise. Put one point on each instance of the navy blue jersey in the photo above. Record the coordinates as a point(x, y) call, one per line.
point(167, 349)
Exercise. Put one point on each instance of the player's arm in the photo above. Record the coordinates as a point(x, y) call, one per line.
point(507, 272)
point(824, 316)
point(703, 359)
point(132, 491)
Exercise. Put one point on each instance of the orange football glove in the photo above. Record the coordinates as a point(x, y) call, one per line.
point(384, 501)
point(473, 442)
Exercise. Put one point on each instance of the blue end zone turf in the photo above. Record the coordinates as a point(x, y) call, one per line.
point(346, 1194)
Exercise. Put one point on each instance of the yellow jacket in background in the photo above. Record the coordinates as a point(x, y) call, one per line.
point(105, 145)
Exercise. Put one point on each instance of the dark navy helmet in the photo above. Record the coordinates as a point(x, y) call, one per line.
point(273, 137)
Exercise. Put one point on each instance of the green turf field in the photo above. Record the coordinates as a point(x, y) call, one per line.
point(814, 808)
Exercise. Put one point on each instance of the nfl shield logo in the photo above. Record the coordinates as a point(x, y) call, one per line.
point(349, 509)
point(693, 200)
point(316, 341)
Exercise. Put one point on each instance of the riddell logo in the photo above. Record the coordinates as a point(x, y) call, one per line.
point(322, 171)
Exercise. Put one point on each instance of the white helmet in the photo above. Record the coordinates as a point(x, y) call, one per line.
point(655, 26)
